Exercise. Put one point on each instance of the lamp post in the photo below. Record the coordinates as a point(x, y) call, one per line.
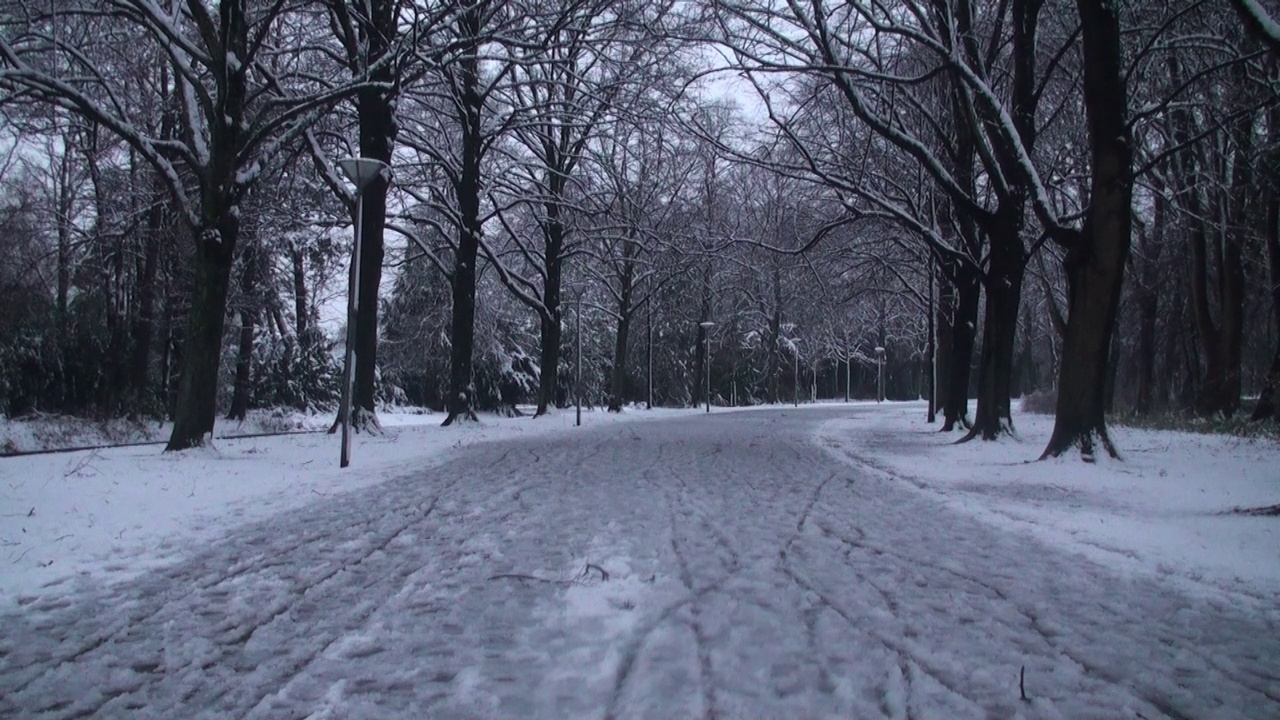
point(879, 374)
point(706, 343)
point(360, 171)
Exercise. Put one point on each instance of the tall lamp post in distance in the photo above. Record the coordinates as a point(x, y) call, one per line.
point(360, 171)
point(706, 343)
point(879, 374)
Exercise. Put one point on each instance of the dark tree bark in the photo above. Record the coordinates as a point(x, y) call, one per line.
point(377, 133)
point(550, 327)
point(1095, 260)
point(550, 335)
point(301, 303)
point(216, 237)
point(1003, 285)
point(963, 333)
point(931, 351)
point(460, 403)
point(197, 401)
point(368, 35)
point(1007, 258)
point(944, 311)
point(618, 376)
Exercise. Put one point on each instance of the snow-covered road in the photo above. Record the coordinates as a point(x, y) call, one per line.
point(710, 566)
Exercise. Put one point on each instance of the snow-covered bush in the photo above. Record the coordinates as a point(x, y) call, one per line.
point(301, 375)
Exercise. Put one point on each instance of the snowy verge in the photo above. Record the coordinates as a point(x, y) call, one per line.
point(115, 512)
point(1167, 509)
point(55, 432)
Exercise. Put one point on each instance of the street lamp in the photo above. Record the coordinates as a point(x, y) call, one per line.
point(879, 374)
point(706, 342)
point(360, 171)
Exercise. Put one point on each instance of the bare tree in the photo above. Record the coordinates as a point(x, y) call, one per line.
point(242, 98)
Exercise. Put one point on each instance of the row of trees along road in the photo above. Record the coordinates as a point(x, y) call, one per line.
point(1007, 197)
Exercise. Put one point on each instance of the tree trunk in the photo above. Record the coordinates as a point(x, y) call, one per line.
point(377, 135)
point(197, 400)
point(1003, 285)
point(301, 305)
point(931, 351)
point(945, 312)
point(244, 365)
point(618, 379)
point(1095, 262)
point(699, 366)
point(461, 400)
point(963, 332)
point(553, 302)
point(550, 336)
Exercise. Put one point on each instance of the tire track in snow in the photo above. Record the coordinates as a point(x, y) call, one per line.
point(790, 587)
point(1250, 678)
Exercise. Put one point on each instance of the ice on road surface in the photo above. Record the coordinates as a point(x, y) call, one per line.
point(722, 566)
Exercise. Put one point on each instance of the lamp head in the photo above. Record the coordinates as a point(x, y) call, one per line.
point(361, 170)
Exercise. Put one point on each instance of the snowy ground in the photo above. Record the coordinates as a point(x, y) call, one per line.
point(828, 562)
point(112, 513)
point(1166, 508)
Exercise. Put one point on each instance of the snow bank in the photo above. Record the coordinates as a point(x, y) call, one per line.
point(117, 512)
point(1167, 509)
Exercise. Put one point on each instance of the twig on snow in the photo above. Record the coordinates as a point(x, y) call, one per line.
point(521, 576)
point(1266, 511)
